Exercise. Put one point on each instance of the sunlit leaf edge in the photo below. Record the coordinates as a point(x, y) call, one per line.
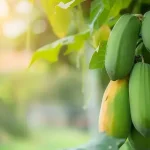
point(54, 48)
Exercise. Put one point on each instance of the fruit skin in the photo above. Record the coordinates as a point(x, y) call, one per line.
point(138, 141)
point(114, 118)
point(126, 146)
point(145, 30)
point(139, 95)
point(121, 47)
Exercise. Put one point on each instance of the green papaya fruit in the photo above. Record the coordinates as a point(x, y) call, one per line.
point(138, 141)
point(114, 118)
point(139, 95)
point(121, 47)
point(145, 30)
point(126, 146)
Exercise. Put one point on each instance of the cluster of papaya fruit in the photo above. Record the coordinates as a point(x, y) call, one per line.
point(125, 108)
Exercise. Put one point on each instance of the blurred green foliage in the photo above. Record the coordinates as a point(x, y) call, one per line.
point(49, 139)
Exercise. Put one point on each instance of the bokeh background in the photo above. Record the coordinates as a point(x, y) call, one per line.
point(47, 106)
point(53, 106)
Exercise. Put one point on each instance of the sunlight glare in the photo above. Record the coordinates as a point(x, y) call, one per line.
point(14, 28)
point(24, 7)
point(4, 10)
point(39, 27)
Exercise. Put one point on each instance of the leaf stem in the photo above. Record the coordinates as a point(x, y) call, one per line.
point(139, 16)
point(142, 59)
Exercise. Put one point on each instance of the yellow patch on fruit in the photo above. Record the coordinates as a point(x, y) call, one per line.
point(114, 116)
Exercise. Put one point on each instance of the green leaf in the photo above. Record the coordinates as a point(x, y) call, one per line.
point(117, 6)
point(78, 42)
point(115, 9)
point(146, 1)
point(59, 18)
point(70, 4)
point(103, 10)
point(108, 3)
point(113, 21)
point(48, 52)
point(95, 6)
point(101, 35)
point(98, 58)
point(51, 51)
point(99, 14)
point(102, 142)
point(126, 3)
point(126, 146)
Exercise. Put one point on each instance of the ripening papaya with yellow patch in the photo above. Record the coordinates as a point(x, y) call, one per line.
point(114, 118)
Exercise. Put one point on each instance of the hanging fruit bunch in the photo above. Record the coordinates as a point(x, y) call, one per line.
point(125, 108)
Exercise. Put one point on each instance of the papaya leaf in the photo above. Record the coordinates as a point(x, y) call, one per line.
point(101, 142)
point(113, 21)
point(94, 8)
point(48, 52)
point(126, 3)
point(59, 18)
point(51, 51)
point(70, 4)
point(78, 43)
point(146, 1)
point(104, 10)
point(117, 6)
point(99, 14)
point(98, 58)
point(108, 3)
point(115, 9)
point(100, 35)
point(60, 21)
